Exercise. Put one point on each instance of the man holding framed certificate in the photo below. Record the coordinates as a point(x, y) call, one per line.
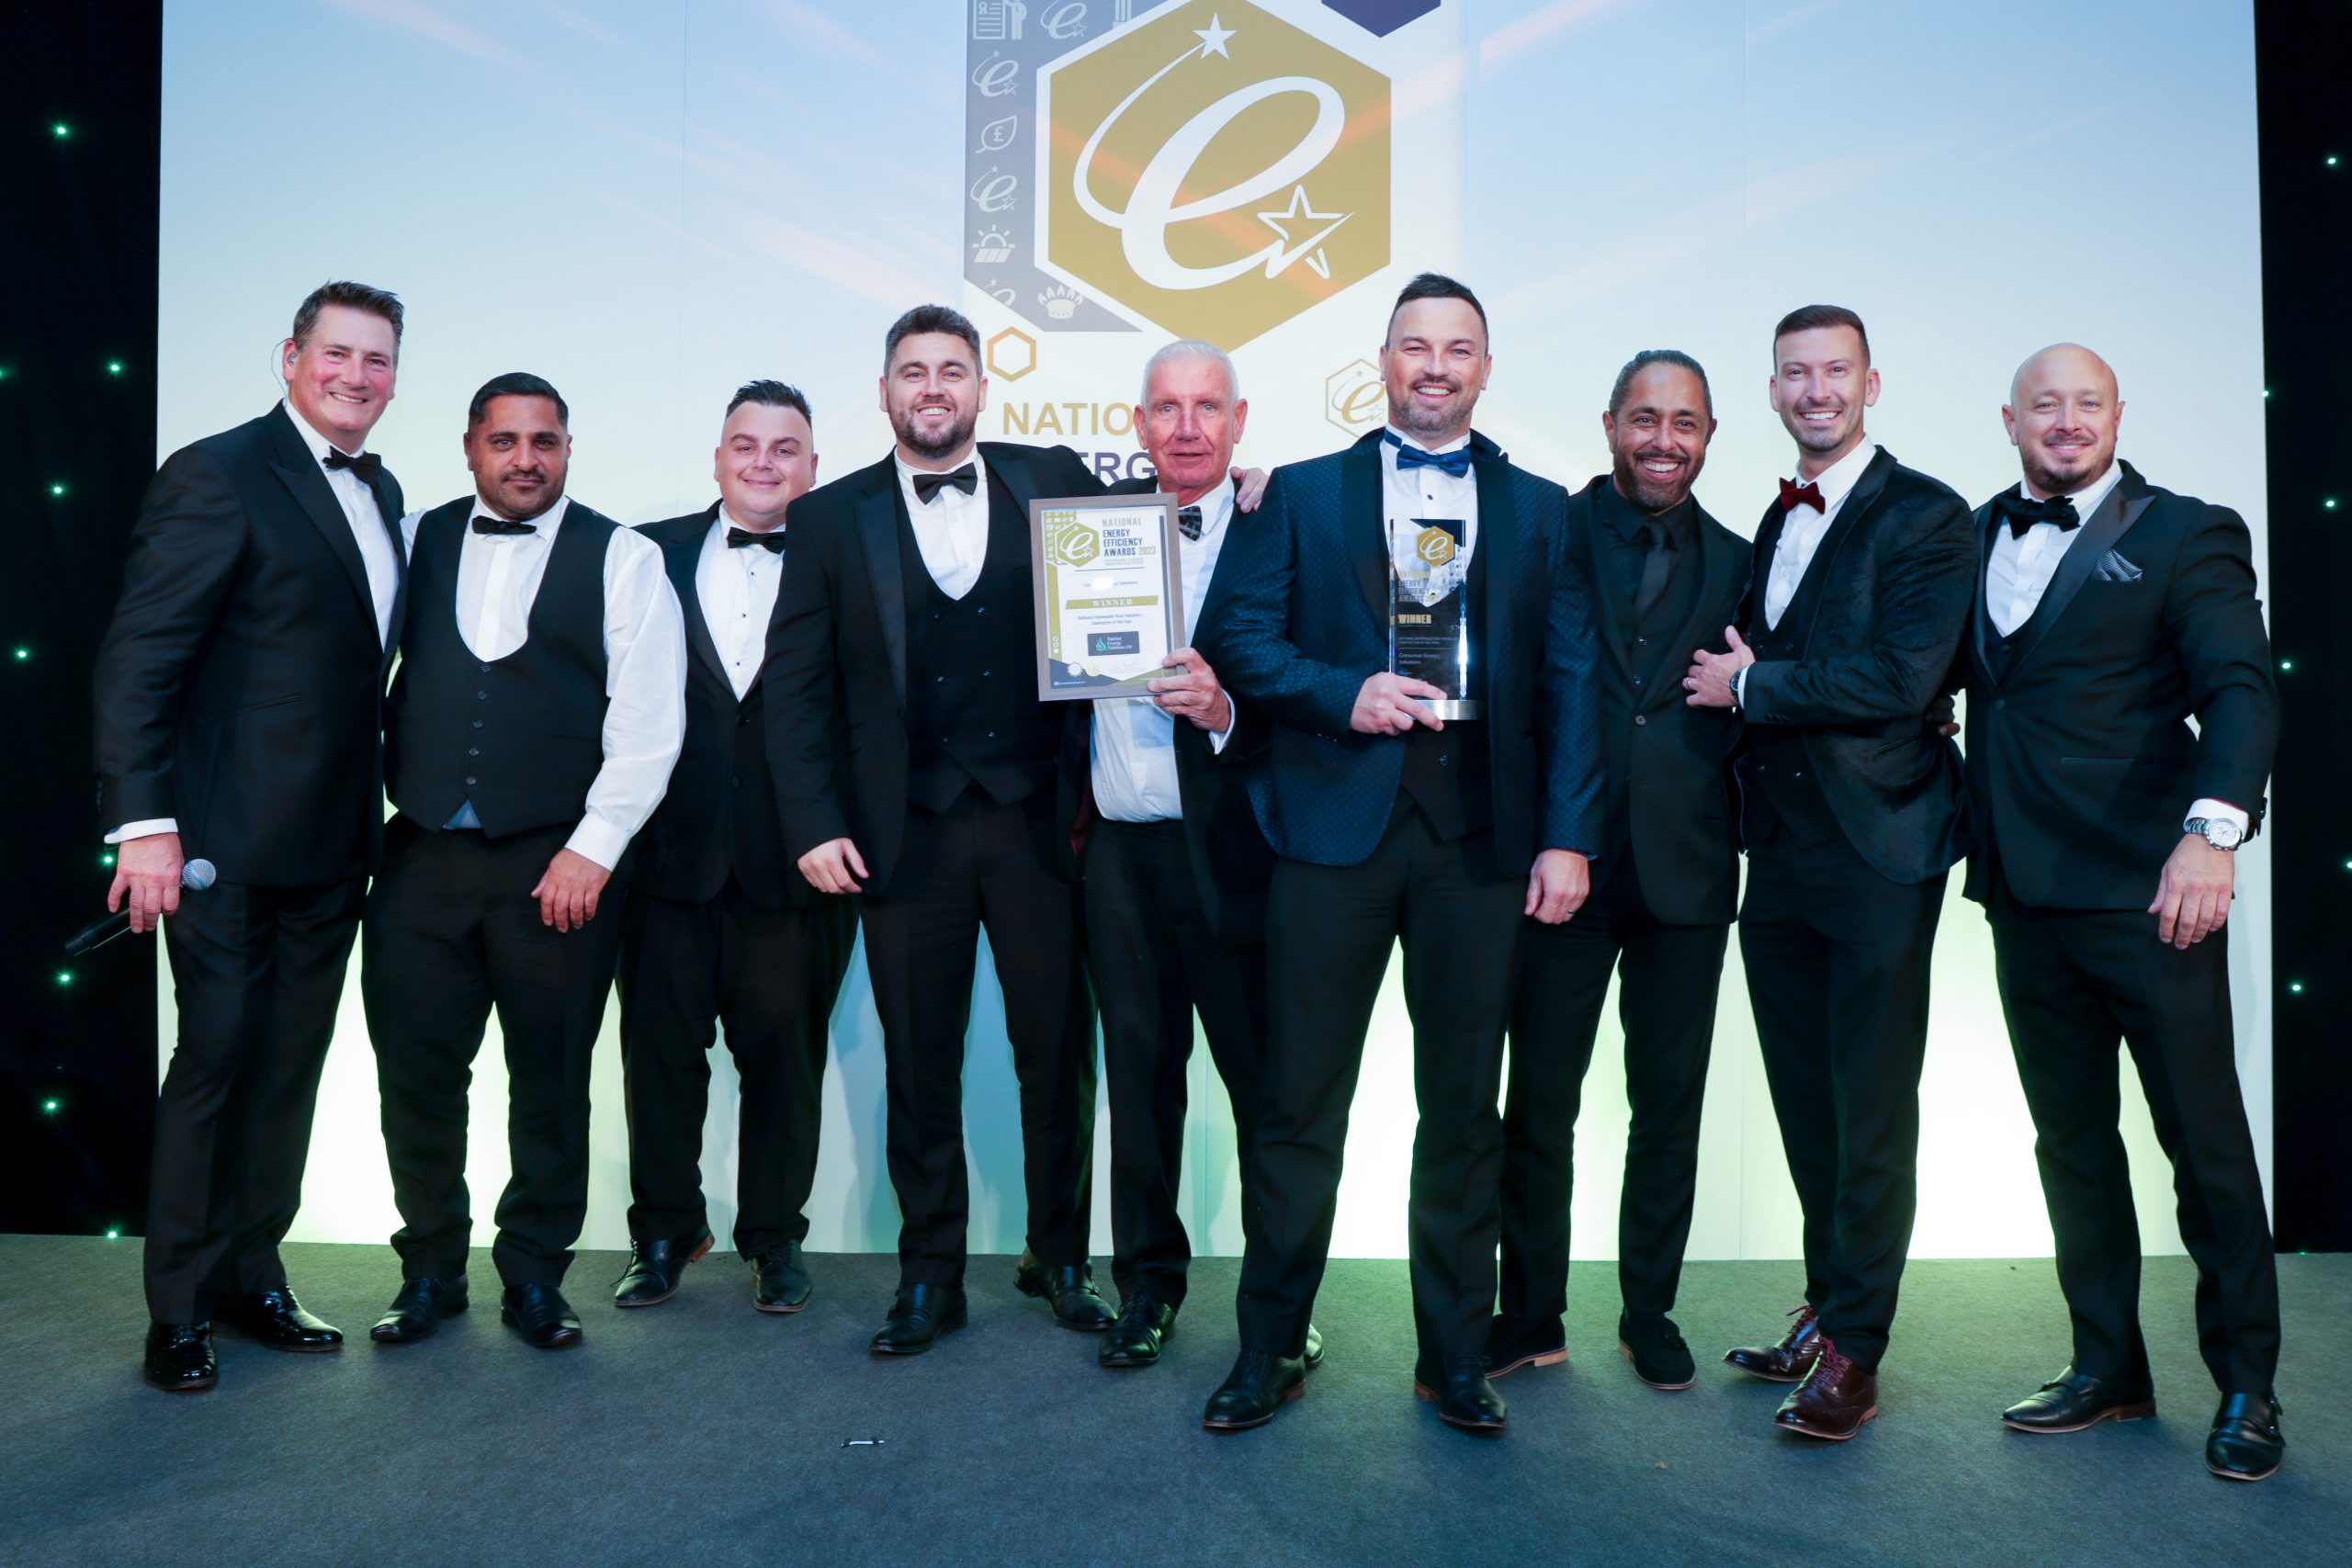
point(1393, 822)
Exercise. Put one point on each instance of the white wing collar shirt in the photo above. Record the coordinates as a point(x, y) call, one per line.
point(951, 528)
point(737, 585)
point(1134, 741)
point(645, 661)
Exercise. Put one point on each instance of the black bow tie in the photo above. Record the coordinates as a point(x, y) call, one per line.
point(1188, 521)
point(771, 542)
point(1455, 463)
point(366, 464)
point(966, 479)
point(2024, 513)
point(500, 527)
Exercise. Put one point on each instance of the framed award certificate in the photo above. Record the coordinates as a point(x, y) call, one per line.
point(1109, 594)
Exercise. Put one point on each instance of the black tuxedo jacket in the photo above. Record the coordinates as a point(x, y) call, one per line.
point(715, 820)
point(1886, 597)
point(1667, 786)
point(2081, 761)
point(1297, 618)
point(240, 687)
point(837, 662)
point(1231, 861)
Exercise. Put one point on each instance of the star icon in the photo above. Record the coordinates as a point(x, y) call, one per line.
point(1301, 211)
point(1213, 38)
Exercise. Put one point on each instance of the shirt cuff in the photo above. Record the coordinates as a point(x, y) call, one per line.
point(598, 841)
point(1217, 738)
point(2219, 811)
point(145, 829)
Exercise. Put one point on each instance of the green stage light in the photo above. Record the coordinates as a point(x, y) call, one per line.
point(62, 131)
point(23, 654)
point(57, 489)
point(114, 1236)
point(2286, 664)
point(2295, 987)
point(50, 1106)
point(2329, 503)
point(114, 367)
point(65, 976)
point(106, 859)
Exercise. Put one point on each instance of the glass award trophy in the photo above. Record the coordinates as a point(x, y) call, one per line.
point(1428, 631)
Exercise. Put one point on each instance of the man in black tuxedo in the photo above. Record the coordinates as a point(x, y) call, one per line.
point(915, 767)
point(1391, 822)
point(1853, 811)
point(719, 926)
point(239, 693)
point(1176, 868)
point(2110, 612)
point(1667, 577)
point(530, 734)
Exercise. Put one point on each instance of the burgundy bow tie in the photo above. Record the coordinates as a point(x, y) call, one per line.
point(1794, 495)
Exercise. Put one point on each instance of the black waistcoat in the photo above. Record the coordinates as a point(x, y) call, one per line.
point(973, 717)
point(1779, 790)
point(1446, 770)
point(521, 737)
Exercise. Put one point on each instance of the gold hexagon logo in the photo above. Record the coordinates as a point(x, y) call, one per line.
point(1214, 170)
point(1354, 397)
point(1013, 353)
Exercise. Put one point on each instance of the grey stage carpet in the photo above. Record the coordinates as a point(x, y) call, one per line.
point(701, 1432)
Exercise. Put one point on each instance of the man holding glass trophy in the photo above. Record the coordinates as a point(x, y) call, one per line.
point(1407, 617)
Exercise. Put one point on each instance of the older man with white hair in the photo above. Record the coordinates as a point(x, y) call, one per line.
point(1176, 868)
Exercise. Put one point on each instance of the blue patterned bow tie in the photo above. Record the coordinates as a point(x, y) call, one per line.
point(1457, 462)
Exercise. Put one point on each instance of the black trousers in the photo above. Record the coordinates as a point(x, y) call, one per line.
point(1156, 961)
point(982, 866)
point(1328, 933)
point(771, 978)
point(1668, 978)
point(2073, 982)
point(256, 973)
point(451, 933)
point(1837, 958)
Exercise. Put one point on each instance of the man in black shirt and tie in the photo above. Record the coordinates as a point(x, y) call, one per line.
point(916, 768)
point(1667, 579)
point(240, 699)
point(529, 734)
point(1853, 813)
point(2111, 613)
point(720, 928)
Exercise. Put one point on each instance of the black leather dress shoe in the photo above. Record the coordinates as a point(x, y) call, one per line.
point(1463, 1395)
point(655, 1267)
point(2073, 1401)
point(273, 1317)
point(418, 1309)
point(1260, 1383)
point(1145, 1323)
point(2245, 1443)
point(919, 1315)
point(1069, 1291)
point(541, 1315)
point(1657, 1351)
point(179, 1357)
point(1314, 1357)
point(780, 1280)
point(1513, 1343)
point(1787, 1361)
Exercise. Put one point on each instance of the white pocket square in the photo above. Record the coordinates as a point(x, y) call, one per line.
point(2113, 568)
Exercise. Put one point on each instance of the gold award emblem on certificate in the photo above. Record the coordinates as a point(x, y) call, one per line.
point(1434, 545)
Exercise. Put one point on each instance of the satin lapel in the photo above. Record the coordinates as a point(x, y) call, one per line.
point(307, 483)
point(1981, 621)
point(1759, 564)
point(1363, 528)
point(682, 557)
point(1498, 542)
point(877, 526)
point(1858, 504)
point(1586, 522)
point(2122, 508)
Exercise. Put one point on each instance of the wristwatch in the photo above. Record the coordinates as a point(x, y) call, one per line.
point(2220, 834)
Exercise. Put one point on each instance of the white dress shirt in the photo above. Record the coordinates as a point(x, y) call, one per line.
point(1802, 531)
point(738, 588)
point(1134, 740)
point(2019, 571)
point(951, 528)
point(645, 661)
point(370, 529)
point(1414, 495)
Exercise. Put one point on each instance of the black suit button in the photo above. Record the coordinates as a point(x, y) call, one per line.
point(1637, 680)
point(477, 724)
point(2000, 703)
point(473, 750)
point(485, 669)
point(981, 610)
point(469, 778)
point(1641, 718)
point(986, 673)
point(1443, 761)
point(481, 697)
point(1798, 774)
point(736, 782)
point(992, 734)
point(938, 680)
point(745, 721)
point(1641, 642)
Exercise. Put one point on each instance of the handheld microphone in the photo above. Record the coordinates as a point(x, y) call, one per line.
point(194, 876)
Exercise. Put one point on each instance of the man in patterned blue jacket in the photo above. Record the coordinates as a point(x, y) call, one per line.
point(1395, 821)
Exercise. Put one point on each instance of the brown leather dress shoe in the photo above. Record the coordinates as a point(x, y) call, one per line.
point(1787, 1361)
point(1833, 1401)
